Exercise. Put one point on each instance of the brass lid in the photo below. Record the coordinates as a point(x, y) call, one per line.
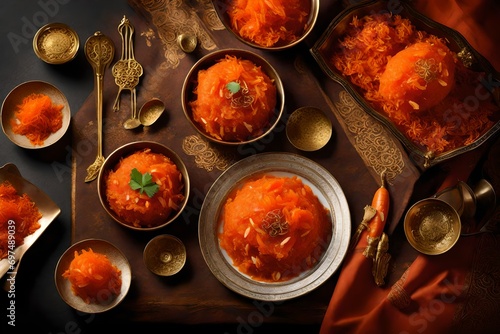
point(308, 129)
point(56, 43)
point(165, 255)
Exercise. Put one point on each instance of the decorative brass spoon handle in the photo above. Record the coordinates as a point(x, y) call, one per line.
point(99, 50)
point(127, 71)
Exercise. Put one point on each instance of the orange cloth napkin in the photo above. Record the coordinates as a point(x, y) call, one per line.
point(456, 292)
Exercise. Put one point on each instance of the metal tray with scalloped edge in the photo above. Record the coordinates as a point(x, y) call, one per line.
point(322, 49)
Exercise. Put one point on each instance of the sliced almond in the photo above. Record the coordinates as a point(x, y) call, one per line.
point(283, 243)
point(414, 105)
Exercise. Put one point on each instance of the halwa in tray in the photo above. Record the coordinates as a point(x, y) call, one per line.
point(423, 80)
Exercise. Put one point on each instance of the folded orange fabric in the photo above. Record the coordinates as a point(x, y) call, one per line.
point(456, 292)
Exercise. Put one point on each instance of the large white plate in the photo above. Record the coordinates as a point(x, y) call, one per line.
point(325, 187)
point(45, 205)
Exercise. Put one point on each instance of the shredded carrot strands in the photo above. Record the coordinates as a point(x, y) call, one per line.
point(19, 217)
point(138, 209)
point(37, 118)
point(274, 228)
point(269, 22)
point(93, 277)
point(413, 78)
point(237, 116)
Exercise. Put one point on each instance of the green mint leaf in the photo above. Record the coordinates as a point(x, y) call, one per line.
point(151, 190)
point(143, 183)
point(233, 87)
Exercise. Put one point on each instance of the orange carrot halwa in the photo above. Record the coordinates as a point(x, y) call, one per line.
point(269, 23)
point(274, 228)
point(413, 78)
point(235, 99)
point(137, 208)
point(93, 277)
point(37, 118)
point(19, 217)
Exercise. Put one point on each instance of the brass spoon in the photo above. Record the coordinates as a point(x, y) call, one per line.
point(99, 50)
point(127, 72)
point(151, 111)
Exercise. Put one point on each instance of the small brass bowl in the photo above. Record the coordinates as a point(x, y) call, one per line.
point(125, 150)
point(187, 42)
point(165, 255)
point(308, 129)
point(16, 97)
point(432, 226)
point(56, 43)
point(221, 7)
point(191, 82)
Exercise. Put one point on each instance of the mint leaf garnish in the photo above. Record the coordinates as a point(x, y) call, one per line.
point(143, 183)
point(233, 87)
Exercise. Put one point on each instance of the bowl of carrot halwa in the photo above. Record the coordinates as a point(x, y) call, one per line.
point(35, 114)
point(268, 24)
point(143, 185)
point(93, 276)
point(233, 97)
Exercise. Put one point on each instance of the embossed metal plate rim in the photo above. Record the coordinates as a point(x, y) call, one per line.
point(49, 210)
point(115, 256)
point(456, 43)
point(324, 185)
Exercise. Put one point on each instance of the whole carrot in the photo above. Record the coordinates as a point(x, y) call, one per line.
point(380, 202)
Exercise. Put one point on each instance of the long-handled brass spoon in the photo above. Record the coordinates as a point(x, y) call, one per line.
point(127, 72)
point(99, 50)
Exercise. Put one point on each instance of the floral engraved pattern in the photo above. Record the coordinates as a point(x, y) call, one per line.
point(481, 288)
point(206, 157)
point(173, 17)
point(371, 141)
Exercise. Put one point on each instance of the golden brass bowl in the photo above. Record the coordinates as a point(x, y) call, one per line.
point(308, 129)
point(221, 9)
point(125, 150)
point(432, 226)
point(165, 255)
point(190, 82)
point(56, 43)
